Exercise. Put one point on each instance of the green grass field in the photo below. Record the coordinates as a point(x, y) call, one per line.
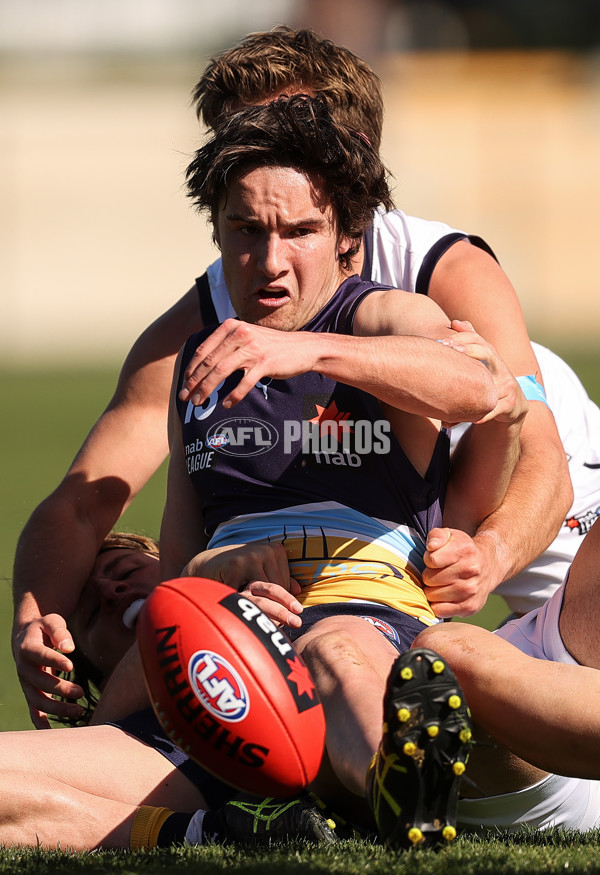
point(523, 855)
point(46, 416)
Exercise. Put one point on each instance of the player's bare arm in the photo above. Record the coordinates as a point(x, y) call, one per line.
point(488, 451)
point(261, 570)
point(486, 454)
point(469, 285)
point(58, 546)
point(390, 367)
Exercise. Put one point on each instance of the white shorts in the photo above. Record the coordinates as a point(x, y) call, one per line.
point(570, 803)
point(537, 633)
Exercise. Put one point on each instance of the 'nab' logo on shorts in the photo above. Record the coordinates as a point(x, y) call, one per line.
point(218, 686)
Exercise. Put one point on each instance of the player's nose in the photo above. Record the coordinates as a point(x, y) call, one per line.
point(110, 591)
point(271, 257)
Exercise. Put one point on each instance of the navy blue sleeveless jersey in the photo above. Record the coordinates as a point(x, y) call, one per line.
point(307, 439)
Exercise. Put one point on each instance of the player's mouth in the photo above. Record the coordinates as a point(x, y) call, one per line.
point(272, 297)
point(131, 613)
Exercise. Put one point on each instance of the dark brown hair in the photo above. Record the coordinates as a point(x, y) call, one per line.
point(267, 63)
point(297, 132)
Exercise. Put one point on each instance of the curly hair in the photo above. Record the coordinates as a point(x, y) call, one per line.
point(301, 133)
point(88, 676)
point(266, 63)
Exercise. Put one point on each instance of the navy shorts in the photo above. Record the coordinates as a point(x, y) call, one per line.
point(145, 726)
point(399, 628)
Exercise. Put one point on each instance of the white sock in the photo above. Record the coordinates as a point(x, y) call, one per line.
point(193, 834)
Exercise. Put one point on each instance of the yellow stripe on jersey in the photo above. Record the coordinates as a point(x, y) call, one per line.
point(333, 569)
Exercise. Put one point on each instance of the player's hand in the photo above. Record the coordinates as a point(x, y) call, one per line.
point(460, 572)
point(237, 565)
point(259, 570)
point(277, 603)
point(512, 405)
point(40, 647)
point(257, 351)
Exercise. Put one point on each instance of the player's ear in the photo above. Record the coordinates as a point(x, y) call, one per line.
point(345, 244)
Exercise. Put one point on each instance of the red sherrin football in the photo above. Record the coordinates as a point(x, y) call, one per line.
point(229, 688)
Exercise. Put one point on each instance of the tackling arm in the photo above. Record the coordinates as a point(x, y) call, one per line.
point(57, 548)
point(470, 285)
point(486, 455)
point(393, 355)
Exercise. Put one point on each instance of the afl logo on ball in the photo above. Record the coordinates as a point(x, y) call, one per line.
point(218, 686)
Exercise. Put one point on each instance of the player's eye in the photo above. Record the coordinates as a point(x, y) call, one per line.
point(125, 568)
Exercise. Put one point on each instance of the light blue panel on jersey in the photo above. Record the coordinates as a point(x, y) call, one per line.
point(327, 517)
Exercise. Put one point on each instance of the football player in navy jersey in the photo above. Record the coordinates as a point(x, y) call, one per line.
point(290, 192)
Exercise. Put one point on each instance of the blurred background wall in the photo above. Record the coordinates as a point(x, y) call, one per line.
point(492, 124)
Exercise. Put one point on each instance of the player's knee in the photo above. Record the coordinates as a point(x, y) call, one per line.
point(456, 643)
point(427, 638)
point(443, 639)
point(332, 648)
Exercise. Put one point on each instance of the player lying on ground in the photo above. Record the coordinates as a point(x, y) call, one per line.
point(112, 786)
point(314, 418)
point(129, 441)
point(96, 779)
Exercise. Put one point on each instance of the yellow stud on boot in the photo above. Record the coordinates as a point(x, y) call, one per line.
point(415, 836)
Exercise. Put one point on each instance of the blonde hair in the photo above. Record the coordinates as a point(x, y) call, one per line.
point(129, 541)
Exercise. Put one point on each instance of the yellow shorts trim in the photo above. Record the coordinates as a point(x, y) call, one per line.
point(334, 569)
